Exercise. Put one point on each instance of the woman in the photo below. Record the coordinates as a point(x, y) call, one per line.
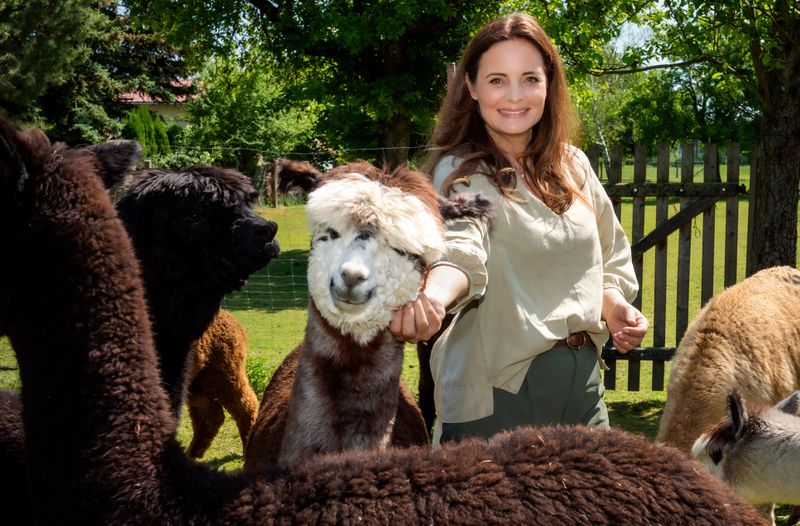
point(536, 296)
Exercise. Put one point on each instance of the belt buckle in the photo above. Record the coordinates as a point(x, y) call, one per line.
point(576, 346)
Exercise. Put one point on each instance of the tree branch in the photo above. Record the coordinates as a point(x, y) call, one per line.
point(624, 71)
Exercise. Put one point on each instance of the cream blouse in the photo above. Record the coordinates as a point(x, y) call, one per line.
point(534, 278)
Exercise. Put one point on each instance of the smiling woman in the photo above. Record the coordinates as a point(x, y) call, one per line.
point(533, 300)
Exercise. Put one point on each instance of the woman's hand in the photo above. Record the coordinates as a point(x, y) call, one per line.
point(626, 324)
point(418, 320)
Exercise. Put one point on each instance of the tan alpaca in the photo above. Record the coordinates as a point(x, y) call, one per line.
point(747, 337)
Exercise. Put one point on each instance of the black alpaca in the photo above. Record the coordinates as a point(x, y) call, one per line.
point(197, 239)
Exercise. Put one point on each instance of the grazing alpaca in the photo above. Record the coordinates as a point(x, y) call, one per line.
point(757, 452)
point(100, 433)
point(745, 338)
point(218, 382)
point(375, 234)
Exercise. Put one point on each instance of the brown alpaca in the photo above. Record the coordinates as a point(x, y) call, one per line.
point(219, 381)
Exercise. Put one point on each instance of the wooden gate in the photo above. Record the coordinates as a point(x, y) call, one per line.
point(695, 198)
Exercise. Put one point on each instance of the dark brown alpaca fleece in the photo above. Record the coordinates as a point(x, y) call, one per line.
point(100, 434)
point(13, 487)
point(219, 382)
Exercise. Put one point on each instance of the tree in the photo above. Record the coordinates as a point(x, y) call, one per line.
point(71, 83)
point(756, 42)
point(242, 117)
point(41, 42)
point(376, 66)
point(124, 58)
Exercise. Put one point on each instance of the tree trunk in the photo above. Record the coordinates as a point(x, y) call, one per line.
point(774, 236)
point(395, 142)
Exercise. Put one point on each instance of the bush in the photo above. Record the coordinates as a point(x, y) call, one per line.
point(149, 129)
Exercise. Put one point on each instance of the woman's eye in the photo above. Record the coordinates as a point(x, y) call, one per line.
point(496, 81)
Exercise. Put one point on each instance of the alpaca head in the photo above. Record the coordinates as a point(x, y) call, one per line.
point(197, 225)
point(756, 451)
point(374, 235)
point(30, 163)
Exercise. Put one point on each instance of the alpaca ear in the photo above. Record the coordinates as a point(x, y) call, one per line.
point(298, 174)
point(737, 414)
point(467, 205)
point(117, 158)
point(790, 404)
point(13, 173)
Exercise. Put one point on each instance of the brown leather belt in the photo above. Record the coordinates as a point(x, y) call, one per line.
point(576, 340)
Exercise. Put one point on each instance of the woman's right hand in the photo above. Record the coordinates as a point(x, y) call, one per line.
point(418, 320)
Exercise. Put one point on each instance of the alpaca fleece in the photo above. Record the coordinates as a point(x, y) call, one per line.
point(269, 430)
point(108, 455)
point(744, 338)
point(219, 382)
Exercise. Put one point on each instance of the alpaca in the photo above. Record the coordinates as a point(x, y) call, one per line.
point(100, 431)
point(374, 235)
point(744, 338)
point(757, 452)
point(197, 240)
point(219, 381)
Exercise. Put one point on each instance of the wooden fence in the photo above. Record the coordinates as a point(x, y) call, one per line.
point(695, 198)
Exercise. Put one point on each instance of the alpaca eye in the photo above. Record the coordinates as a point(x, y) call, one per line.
point(329, 234)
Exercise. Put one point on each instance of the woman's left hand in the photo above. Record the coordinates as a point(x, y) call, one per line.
point(626, 324)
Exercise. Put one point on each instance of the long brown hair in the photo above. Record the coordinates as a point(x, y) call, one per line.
point(460, 129)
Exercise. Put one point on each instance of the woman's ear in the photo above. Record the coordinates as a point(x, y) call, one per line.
point(470, 87)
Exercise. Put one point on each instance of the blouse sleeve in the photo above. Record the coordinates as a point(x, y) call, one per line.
point(467, 241)
point(616, 250)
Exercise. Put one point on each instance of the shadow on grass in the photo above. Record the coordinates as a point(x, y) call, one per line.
point(637, 416)
point(227, 462)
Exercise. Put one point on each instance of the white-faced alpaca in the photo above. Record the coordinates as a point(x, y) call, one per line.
point(744, 338)
point(374, 235)
point(219, 382)
point(757, 452)
point(100, 434)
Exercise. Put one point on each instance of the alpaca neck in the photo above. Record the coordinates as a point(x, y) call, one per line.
point(97, 340)
point(344, 395)
point(195, 309)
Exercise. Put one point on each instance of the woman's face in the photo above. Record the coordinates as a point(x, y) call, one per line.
point(511, 88)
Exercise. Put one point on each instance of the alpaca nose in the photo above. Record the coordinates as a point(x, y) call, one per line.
point(353, 274)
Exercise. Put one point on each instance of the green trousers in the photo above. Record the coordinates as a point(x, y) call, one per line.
point(562, 386)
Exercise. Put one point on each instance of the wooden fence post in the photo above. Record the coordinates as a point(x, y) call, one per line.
point(684, 248)
point(710, 167)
